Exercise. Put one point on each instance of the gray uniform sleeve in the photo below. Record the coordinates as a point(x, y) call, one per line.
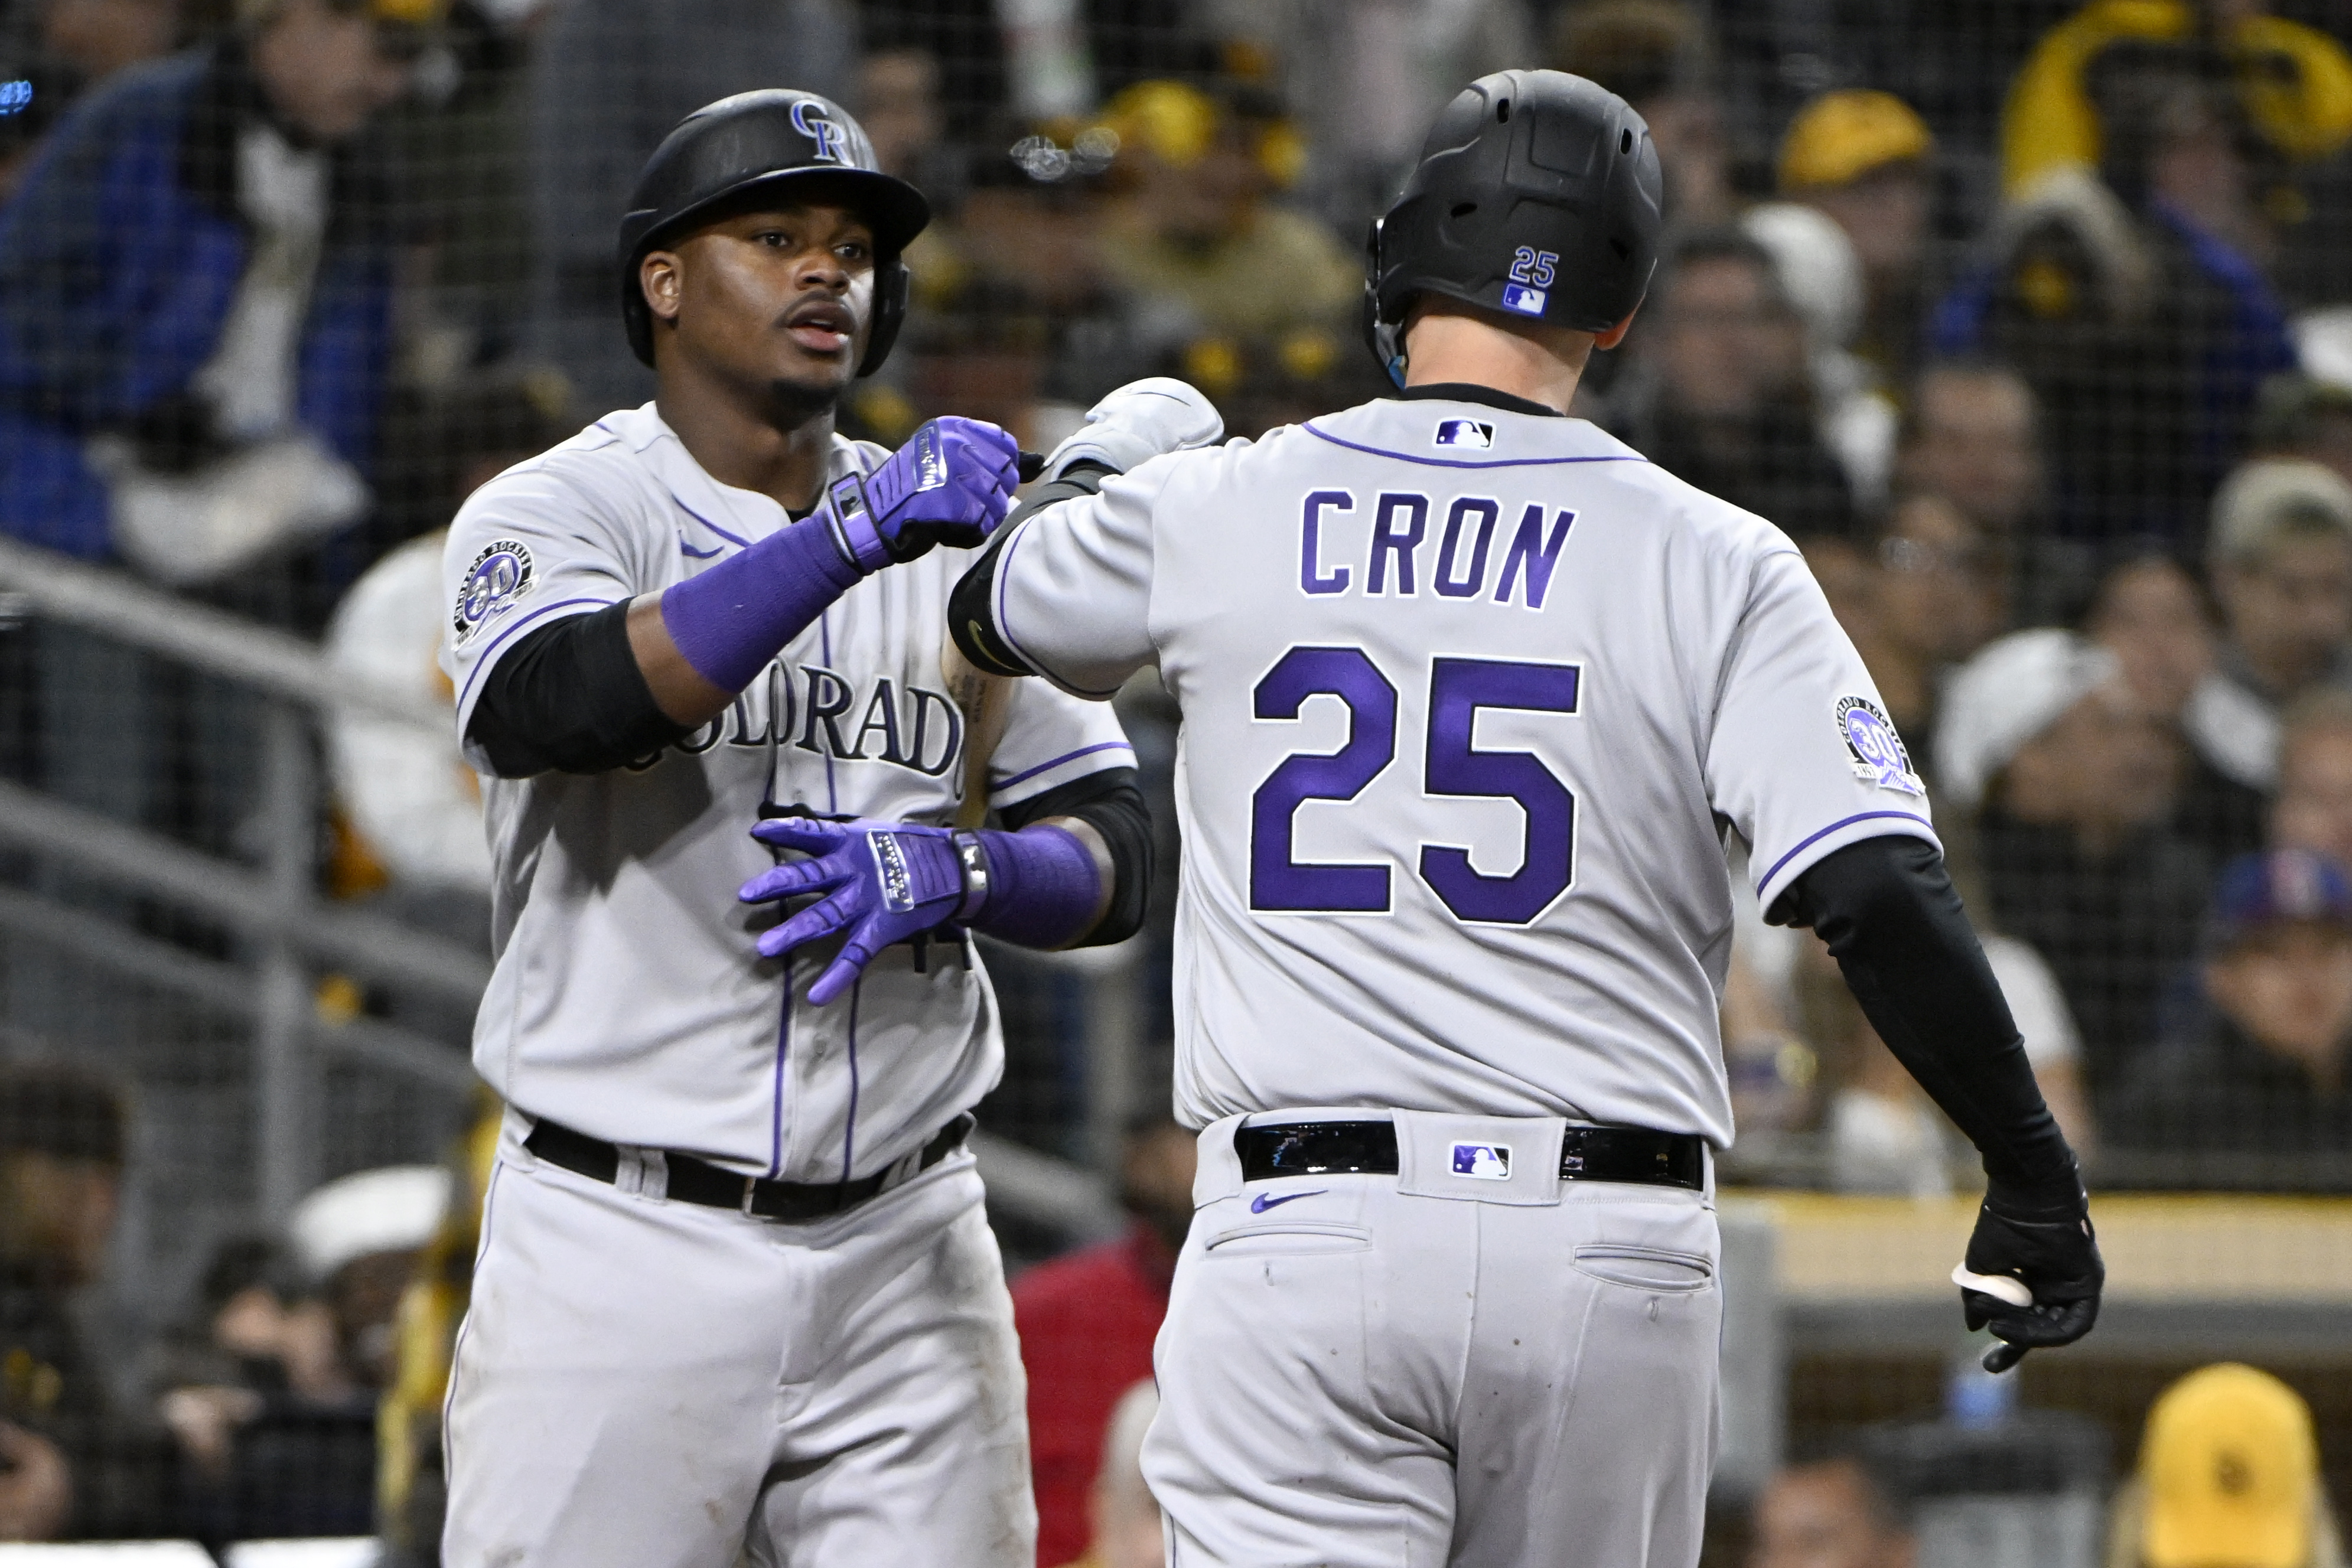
point(1070, 593)
point(527, 550)
point(1800, 757)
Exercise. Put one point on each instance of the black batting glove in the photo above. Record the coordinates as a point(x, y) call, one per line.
point(2045, 1241)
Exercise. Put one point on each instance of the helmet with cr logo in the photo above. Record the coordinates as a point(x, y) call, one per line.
point(797, 145)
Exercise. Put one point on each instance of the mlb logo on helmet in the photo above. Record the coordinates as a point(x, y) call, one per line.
point(1465, 432)
point(1526, 301)
point(831, 141)
point(1483, 1162)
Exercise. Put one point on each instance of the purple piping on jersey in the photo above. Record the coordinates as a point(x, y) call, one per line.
point(1003, 784)
point(849, 1133)
point(706, 522)
point(784, 1045)
point(1846, 822)
point(1460, 463)
point(824, 643)
point(1003, 571)
point(482, 659)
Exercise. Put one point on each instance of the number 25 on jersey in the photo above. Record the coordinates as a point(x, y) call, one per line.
point(1458, 688)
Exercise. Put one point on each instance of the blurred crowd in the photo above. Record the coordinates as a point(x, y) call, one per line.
point(255, 1415)
point(2029, 320)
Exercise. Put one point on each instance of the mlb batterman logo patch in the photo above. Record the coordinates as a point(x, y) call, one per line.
point(1878, 753)
point(499, 575)
point(1465, 432)
point(1483, 1162)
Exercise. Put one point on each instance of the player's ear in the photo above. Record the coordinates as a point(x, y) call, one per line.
point(662, 280)
point(1616, 335)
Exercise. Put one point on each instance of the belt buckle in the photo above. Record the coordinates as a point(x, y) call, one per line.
point(751, 1190)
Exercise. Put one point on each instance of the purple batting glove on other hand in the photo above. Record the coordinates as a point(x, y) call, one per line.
point(884, 881)
point(951, 484)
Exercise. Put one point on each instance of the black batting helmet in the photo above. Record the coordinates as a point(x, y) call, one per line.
point(1537, 195)
point(771, 140)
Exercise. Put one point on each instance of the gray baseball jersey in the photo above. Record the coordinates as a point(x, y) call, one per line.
point(1470, 697)
point(628, 999)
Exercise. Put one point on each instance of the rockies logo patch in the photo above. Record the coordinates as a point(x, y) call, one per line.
point(499, 575)
point(1878, 753)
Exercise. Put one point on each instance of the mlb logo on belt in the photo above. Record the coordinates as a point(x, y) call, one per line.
point(1483, 1162)
point(1465, 432)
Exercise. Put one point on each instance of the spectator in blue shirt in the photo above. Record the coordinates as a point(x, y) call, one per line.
point(194, 300)
point(2136, 303)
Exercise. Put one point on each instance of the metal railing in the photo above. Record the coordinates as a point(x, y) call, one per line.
point(284, 933)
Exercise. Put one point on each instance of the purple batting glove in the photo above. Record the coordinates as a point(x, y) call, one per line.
point(884, 881)
point(951, 484)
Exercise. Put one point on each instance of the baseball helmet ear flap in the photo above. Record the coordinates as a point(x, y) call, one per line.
point(1384, 337)
point(893, 287)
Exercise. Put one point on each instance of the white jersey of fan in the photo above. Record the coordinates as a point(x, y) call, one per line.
point(1470, 697)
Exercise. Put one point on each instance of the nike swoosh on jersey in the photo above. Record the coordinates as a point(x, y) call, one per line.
point(685, 548)
point(1266, 1200)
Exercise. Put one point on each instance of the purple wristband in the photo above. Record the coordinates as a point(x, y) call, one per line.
point(1043, 887)
point(732, 619)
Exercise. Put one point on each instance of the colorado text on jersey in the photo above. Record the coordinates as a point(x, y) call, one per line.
point(829, 715)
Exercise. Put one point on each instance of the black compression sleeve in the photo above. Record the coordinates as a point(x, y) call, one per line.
point(1897, 928)
point(1110, 801)
point(570, 698)
point(971, 605)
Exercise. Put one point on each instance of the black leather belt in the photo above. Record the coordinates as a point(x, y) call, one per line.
point(700, 1181)
point(1640, 1155)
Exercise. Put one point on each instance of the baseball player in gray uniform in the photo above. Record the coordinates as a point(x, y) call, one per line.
point(736, 1293)
point(1473, 697)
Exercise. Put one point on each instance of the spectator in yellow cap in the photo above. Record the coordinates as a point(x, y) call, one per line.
point(2294, 82)
point(2229, 1478)
point(1198, 241)
point(1861, 157)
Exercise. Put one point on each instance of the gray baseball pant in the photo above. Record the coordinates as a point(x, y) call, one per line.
point(1422, 1369)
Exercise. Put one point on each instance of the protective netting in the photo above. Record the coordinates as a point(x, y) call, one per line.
point(2030, 320)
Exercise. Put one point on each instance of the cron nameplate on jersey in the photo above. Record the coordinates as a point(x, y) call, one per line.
point(1406, 544)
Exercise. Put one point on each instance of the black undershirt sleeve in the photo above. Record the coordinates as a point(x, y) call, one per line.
point(971, 604)
point(1892, 920)
point(570, 698)
point(1111, 803)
